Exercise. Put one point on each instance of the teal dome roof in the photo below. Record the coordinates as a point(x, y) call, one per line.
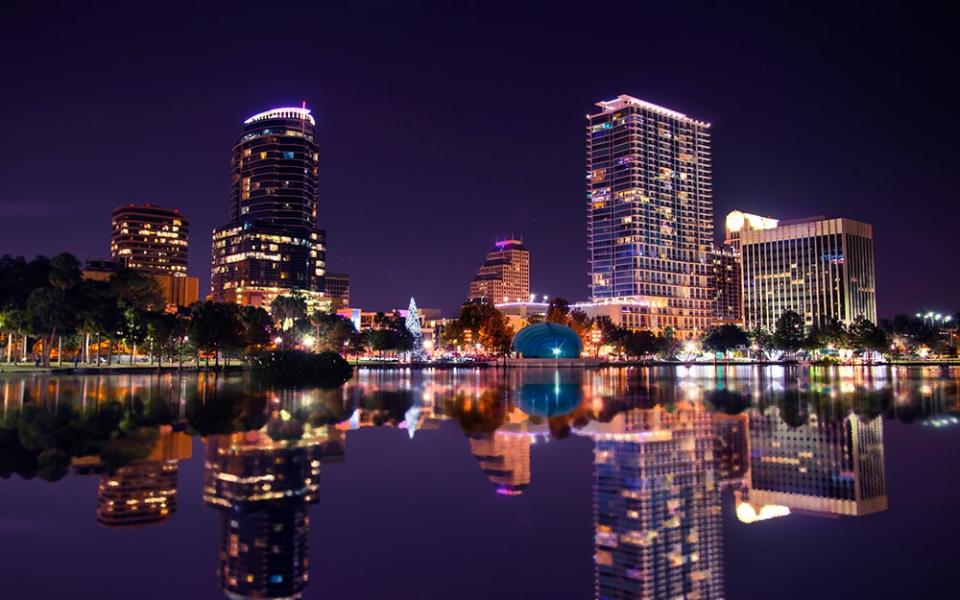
point(547, 340)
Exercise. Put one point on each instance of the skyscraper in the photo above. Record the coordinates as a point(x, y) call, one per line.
point(504, 276)
point(725, 275)
point(820, 268)
point(150, 239)
point(154, 241)
point(650, 213)
point(271, 245)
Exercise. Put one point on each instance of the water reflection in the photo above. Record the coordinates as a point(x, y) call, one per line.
point(673, 449)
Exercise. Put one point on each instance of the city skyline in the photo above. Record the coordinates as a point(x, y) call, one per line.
point(773, 152)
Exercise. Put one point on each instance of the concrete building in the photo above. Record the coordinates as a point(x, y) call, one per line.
point(271, 244)
point(738, 222)
point(504, 276)
point(177, 291)
point(650, 213)
point(725, 281)
point(820, 268)
point(150, 239)
point(154, 241)
point(336, 287)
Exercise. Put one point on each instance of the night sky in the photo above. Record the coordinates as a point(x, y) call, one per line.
point(443, 127)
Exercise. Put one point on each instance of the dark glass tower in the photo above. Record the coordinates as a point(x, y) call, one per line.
point(271, 245)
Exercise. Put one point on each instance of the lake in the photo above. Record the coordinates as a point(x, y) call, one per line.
point(663, 482)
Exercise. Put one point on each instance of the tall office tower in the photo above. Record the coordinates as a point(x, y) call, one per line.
point(271, 245)
point(262, 489)
point(831, 466)
point(504, 276)
point(650, 213)
point(505, 458)
point(738, 222)
point(657, 506)
point(150, 239)
point(820, 268)
point(725, 274)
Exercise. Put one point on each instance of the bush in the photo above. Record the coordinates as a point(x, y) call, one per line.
point(326, 369)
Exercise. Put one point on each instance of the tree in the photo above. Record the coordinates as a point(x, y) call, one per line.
point(788, 334)
point(830, 334)
point(668, 344)
point(216, 327)
point(761, 338)
point(868, 336)
point(164, 333)
point(725, 338)
point(50, 313)
point(136, 290)
point(257, 327)
point(333, 332)
point(412, 324)
point(558, 311)
point(285, 310)
point(640, 343)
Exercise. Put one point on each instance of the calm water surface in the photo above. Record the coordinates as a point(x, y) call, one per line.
point(698, 483)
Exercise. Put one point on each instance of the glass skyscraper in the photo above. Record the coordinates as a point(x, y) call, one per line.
point(650, 213)
point(271, 245)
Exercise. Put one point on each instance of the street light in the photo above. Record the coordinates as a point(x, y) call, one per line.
point(309, 341)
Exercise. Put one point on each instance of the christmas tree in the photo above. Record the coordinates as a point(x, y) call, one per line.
point(416, 332)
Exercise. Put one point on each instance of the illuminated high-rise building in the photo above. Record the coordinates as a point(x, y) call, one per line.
point(725, 273)
point(504, 276)
point(650, 213)
point(820, 268)
point(831, 466)
point(271, 245)
point(155, 241)
point(738, 222)
point(150, 239)
point(657, 506)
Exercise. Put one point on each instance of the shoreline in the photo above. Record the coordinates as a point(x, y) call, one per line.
point(6, 369)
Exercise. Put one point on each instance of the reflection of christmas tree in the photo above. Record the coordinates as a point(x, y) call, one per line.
point(416, 332)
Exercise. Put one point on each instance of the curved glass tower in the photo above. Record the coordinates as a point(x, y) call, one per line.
point(271, 245)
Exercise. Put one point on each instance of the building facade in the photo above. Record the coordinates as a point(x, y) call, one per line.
point(822, 269)
point(337, 289)
point(504, 275)
point(150, 239)
point(650, 212)
point(725, 281)
point(271, 245)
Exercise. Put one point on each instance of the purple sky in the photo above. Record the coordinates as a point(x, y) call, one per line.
point(443, 127)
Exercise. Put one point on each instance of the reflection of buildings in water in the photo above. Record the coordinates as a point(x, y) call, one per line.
point(262, 489)
point(731, 448)
point(657, 506)
point(504, 456)
point(144, 492)
point(825, 466)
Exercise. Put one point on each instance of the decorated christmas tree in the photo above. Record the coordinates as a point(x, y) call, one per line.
point(413, 326)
